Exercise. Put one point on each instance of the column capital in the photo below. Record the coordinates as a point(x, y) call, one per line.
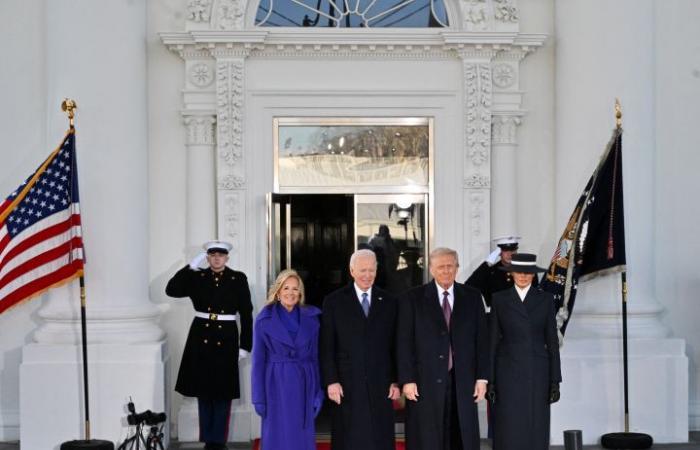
point(504, 126)
point(200, 129)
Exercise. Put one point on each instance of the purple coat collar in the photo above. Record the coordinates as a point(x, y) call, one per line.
point(276, 329)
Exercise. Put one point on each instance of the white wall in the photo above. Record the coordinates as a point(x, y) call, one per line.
point(676, 237)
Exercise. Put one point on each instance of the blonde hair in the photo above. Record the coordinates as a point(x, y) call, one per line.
point(279, 282)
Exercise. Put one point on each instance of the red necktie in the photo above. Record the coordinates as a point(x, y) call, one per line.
point(447, 312)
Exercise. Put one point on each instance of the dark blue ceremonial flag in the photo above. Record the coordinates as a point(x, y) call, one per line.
point(593, 242)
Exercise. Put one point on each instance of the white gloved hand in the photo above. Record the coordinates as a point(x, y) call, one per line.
point(242, 354)
point(494, 256)
point(197, 261)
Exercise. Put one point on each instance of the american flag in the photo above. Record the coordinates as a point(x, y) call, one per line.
point(41, 243)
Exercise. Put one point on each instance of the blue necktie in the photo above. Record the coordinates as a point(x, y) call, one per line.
point(365, 304)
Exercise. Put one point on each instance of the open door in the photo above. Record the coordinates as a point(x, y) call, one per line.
point(279, 241)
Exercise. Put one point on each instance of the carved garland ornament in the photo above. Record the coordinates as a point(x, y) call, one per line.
point(229, 96)
point(478, 92)
point(230, 14)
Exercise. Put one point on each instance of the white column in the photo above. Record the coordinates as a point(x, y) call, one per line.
point(605, 50)
point(96, 54)
point(503, 174)
point(201, 180)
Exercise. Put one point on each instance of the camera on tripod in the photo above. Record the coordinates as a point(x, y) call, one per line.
point(154, 439)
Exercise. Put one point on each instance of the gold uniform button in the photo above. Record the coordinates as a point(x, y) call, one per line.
point(222, 311)
point(219, 326)
point(218, 343)
point(209, 309)
point(206, 341)
point(206, 324)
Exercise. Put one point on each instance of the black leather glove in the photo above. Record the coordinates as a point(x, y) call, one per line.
point(554, 393)
point(491, 394)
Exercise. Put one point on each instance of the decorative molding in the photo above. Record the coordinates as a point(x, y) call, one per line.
point(230, 182)
point(504, 129)
point(475, 14)
point(200, 130)
point(230, 14)
point(506, 11)
point(201, 74)
point(504, 75)
point(381, 44)
point(477, 181)
point(478, 98)
point(233, 210)
point(229, 99)
point(199, 10)
point(477, 210)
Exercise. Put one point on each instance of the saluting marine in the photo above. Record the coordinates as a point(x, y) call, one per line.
point(489, 277)
point(209, 367)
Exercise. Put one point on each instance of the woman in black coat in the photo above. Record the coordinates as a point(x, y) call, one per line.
point(525, 362)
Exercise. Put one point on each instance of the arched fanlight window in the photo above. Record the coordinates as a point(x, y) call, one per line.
point(352, 13)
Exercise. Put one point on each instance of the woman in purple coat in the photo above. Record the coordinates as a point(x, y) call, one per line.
point(286, 383)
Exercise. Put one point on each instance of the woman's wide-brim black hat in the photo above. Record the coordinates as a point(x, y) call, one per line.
point(523, 263)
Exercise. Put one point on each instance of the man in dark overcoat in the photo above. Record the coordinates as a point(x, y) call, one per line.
point(443, 361)
point(358, 359)
point(525, 360)
point(209, 367)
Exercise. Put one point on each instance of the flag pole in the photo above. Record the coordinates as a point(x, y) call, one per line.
point(69, 106)
point(623, 277)
point(625, 439)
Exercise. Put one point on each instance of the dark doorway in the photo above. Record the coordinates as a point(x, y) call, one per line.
point(322, 236)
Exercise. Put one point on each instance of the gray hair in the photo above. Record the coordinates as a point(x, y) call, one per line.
point(444, 251)
point(362, 253)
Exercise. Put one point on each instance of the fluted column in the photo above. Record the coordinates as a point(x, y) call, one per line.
point(591, 73)
point(96, 54)
point(201, 180)
point(503, 173)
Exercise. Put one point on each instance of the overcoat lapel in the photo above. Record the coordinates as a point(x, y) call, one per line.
point(278, 330)
point(515, 302)
point(376, 305)
point(352, 305)
point(306, 328)
point(431, 305)
point(533, 300)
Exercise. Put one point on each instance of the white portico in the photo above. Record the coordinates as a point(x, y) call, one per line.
point(176, 127)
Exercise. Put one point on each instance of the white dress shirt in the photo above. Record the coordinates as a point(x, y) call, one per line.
point(522, 292)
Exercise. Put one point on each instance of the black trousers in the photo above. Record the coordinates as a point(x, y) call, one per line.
point(452, 435)
point(214, 416)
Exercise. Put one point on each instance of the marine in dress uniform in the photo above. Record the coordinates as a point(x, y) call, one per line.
point(209, 367)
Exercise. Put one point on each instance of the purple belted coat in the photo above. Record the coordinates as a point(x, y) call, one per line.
point(285, 379)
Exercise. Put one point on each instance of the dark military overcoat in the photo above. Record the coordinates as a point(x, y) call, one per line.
point(209, 366)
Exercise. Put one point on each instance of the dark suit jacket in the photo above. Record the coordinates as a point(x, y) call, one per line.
point(358, 352)
point(423, 345)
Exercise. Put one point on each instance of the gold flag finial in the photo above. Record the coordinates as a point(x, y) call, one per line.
point(69, 106)
point(618, 114)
